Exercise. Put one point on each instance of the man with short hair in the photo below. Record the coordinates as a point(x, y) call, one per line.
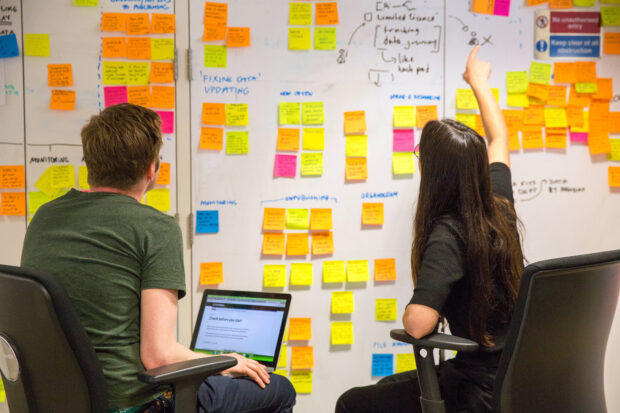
point(121, 263)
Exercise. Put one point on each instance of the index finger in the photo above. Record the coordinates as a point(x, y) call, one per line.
point(473, 54)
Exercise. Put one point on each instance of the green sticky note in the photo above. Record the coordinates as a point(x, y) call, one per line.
point(516, 82)
point(312, 113)
point(312, 164)
point(610, 16)
point(138, 74)
point(114, 73)
point(404, 116)
point(325, 38)
point(299, 38)
point(237, 143)
point(465, 99)
point(37, 45)
point(215, 56)
point(297, 218)
point(333, 272)
point(402, 163)
point(585, 87)
point(162, 49)
point(357, 271)
point(610, 1)
point(583, 3)
point(342, 302)
point(289, 113)
point(357, 145)
point(86, 3)
point(614, 155)
point(35, 200)
point(237, 114)
point(518, 100)
point(540, 73)
point(466, 119)
point(300, 14)
point(301, 274)
point(313, 139)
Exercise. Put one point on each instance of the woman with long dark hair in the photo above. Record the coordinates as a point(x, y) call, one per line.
point(466, 257)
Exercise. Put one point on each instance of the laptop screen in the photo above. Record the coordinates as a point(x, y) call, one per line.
point(248, 323)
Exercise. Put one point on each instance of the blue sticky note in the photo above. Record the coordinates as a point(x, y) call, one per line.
point(207, 222)
point(382, 364)
point(8, 46)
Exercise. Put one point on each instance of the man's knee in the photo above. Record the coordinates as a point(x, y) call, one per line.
point(286, 392)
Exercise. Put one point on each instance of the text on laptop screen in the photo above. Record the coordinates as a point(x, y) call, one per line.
point(246, 325)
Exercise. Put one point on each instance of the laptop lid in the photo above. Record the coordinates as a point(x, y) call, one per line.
point(245, 322)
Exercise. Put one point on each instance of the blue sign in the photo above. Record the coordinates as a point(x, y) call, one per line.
point(8, 46)
point(382, 365)
point(207, 222)
point(541, 46)
point(575, 46)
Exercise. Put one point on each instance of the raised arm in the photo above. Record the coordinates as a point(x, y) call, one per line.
point(477, 76)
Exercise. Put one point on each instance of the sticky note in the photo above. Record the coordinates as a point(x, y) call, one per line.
point(162, 97)
point(357, 271)
point(285, 166)
point(333, 271)
point(612, 43)
point(273, 243)
point(402, 163)
point(465, 99)
point(139, 95)
point(341, 332)
point(356, 145)
point(114, 47)
point(313, 139)
point(162, 49)
point(139, 48)
point(577, 99)
point(403, 140)
point(62, 100)
point(163, 177)
point(385, 269)
point(238, 37)
point(322, 243)
point(405, 362)
point(356, 169)
point(585, 72)
point(385, 309)
point(599, 143)
point(299, 38)
point(557, 95)
point(13, 203)
point(162, 23)
point(404, 116)
point(113, 22)
point(555, 138)
point(610, 16)
point(162, 72)
point(425, 114)
point(44, 183)
point(325, 38)
point(300, 14)
point(342, 302)
point(604, 89)
point(274, 218)
point(288, 139)
point(586, 87)
point(326, 13)
point(311, 164)
point(518, 100)
point(59, 75)
point(301, 274)
point(540, 73)
point(574, 116)
point(207, 222)
point(555, 118)
point(560, 4)
point(289, 113)
point(564, 72)
point(516, 82)
point(215, 56)
point(297, 218)
point(479, 127)
point(540, 92)
point(8, 46)
point(213, 113)
point(532, 137)
point(138, 73)
point(237, 114)
point(13, 177)
point(312, 113)
point(159, 199)
point(580, 134)
point(302, 357)
point(167, 121)
point(215, 21)
point(613, 173)
point(35, 200)
point(297, 244)
point(86, 3)
point(614, 155)
point(467, 119)
point(275, 276)
point(382, 365)
point(37, 45)
point(211, 273)
point(534, 115)
point(320, 219)
point(354, 122)
point(237, 143)
point(299, 328)
point(301, 381)
point(372, 213)
point(138, 23)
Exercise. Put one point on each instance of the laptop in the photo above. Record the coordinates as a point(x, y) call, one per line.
point(245, 322)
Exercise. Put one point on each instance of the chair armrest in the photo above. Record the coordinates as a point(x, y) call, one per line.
point(436, 340)
point(196, 369)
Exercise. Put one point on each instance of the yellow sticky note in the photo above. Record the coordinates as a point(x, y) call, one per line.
point(273, 244)
point(274, 276)
point(301, 381)
point(299, 38)
point(385, 269)
point(289, 113)
point(333, 272)
point(312, 164)
point(300, 14)
point(465, 99)
point(342, 302)
point(586, 87)
point(297, 244)
point(610, 16)
point(301, 274)
point(162, 49)
point(385, 309)
point(159, 199)
point(354, 122)
point(313, 139)
point(63, 176)
point(342, 332)
point(302, 357)
point(320, 219)
point(614, 155)
point(555, 118)
point(372, 213)
point(215, 56)
point(288, 139)
point(36, 199)
point(517, 100)
point(114, 73)
point(297, 218)
point(404, 116)
point(283, 357)
point(283, 372)
point(357, 271)
point(467, 119)
point(402, 163)
point(37, 45)
point(356, 169)
point(540, 73)
point(274, 218)
point(211, 273)
point(325, 38)
point(138, 74)
point(516, 82)
point(237, 143)
point(299, 328)
point(312, 113)
point(357, 145)
point(237, 114)
point(405, 362)
point(322, 243)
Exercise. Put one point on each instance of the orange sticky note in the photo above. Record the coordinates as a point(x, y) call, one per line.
point(585, 72)
point(326, 13)
point(13, 203)
point(139, 48)
point(322, 243)
point(614, 122)
point(385, 269)
point(273, 244)
point(114, 47)
point(238, 37)
point(557, 95)
point(354, 122)
point(612, 43)
point(564, 72)
point(574, 116)
point(113, 22)
point(483, 6)
point(274, 218)
point(162, 97)
point(214, 113)
point(532, 137)
point(536, 2)
point(538, 91)
point(12, 176)
point(163, 178)
point(59, 75)
point(614, 176)
point(297, 244)
point(162, 23)
point(320, 219)
point(139, 95)
point(288, 139)
point(598, 142)
point(372, 213)
point(534, 115)
point(215, 21)
point(555, 138)
point(578, 99)
point(356, 169)
point(299, 328)
point(62, 100)
point(212, 138)
point(514, 123)
point(424, 114)
point(162, 72)
point(479, 126)
point(211, 273)
point(138, 23)
point(604, 89)
point(560, 4)
point(302, 357)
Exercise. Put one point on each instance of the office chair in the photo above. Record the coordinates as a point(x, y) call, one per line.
point(47, 362)
point(554, 353)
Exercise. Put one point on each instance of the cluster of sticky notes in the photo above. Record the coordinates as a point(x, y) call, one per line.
point(216, 29)
point(493, 7)
point(358, 270)
point(61, 75)
point(300, 14)
point(155, 96)
point(138, 23)
point(217, 115)
point(211, 273)
point(207, 222)
point(403, 142)
point(138, 48)
point(356, 162)
point(55, 181)
point(302, 356)
point(466, 101)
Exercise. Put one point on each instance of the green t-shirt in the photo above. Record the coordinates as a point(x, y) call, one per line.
point(105, 248)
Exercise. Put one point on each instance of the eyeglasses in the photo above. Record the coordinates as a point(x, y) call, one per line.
point(416, 151)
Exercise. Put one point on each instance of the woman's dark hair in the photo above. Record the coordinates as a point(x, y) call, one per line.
point(455, 181)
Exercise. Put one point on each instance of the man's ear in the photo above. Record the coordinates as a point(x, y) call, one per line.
point(151, 170)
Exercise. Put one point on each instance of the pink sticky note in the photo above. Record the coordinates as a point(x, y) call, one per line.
point(285, 165)
point(167, 121)
point(502, 8)
point(403, 140)
point(113, 95)
point(581, 137)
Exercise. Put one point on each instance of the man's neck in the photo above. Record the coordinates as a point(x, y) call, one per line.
point(134, 193)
